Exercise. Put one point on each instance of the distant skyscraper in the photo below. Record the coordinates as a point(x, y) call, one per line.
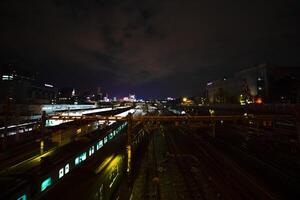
point(99, 95)
point(132, 97)
point(73, 92)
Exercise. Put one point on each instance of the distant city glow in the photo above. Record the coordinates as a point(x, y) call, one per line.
point(259, 100)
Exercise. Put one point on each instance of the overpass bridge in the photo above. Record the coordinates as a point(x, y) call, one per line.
point(210, 121)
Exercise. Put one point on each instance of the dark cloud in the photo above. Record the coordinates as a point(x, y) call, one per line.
point(170, 47)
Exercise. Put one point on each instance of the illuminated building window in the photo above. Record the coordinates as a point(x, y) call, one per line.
point(67, 168)
point(61, 173)
point(46, 183)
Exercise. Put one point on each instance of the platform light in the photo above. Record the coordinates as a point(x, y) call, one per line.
point(42, 147)
point(128, 159)
point(259, 100)
point(103, 164)
point(48, 85)
point(7, 77)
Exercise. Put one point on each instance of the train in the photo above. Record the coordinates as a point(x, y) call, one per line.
point(23, 188)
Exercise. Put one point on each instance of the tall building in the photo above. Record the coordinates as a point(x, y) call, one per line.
point(262, 84)
point(132, 97)
point(66, 95)
point(22, 95)
point(99, 94)
point(20, 86)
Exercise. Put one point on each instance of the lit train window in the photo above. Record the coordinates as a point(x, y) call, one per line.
point(23, 197)
point(99, 145)
point(80, 158)
point(110, 136)
point(46, 183)
point(67, 168)
point(105, 140)
point(76, 161)
point(61, 173)
point(91, 150)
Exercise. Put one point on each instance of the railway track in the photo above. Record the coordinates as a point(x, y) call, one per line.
point(284, 181)
point(230, 181)
point(147, 183)
point(192, 187)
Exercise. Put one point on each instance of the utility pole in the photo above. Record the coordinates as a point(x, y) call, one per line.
point(42, 125)
point(297, 112)
point(128, 147)
point(7, 109)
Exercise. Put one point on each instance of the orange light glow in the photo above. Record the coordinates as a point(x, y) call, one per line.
point(259, 100)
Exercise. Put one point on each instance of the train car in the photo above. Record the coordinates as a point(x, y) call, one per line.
point(52, 171)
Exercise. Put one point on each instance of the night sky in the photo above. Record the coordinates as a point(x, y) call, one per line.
point(154, 48)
